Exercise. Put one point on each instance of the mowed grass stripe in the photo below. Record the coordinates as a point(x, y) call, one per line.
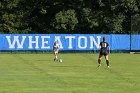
point(38, 73)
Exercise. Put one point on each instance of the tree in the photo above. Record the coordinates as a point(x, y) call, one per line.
point(12, 18)
point(67, 16)
point(65, 21)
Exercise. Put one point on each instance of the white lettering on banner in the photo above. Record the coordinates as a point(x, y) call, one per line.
point(70, 41)
point(93, 42)
point(85, 42)
point(35, 42)
point(57, 38)
point(45, 42)
point(15, 41)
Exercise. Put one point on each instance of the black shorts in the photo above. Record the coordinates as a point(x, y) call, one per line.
point(103, 52)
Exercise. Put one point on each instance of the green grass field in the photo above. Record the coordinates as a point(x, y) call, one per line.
point(78, 73)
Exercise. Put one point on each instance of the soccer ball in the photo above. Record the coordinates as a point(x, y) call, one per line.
point(60, 60)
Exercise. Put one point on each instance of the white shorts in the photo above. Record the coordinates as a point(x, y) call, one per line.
point(55, 51)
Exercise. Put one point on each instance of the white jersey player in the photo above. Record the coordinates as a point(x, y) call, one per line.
point(55, 50)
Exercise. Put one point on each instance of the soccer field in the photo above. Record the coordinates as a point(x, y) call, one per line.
point(78, 73)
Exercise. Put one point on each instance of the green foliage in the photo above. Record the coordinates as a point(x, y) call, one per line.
point(135, 28)
point(12, 18)
point(65, 21)
point(67, 16)
point(114, 24)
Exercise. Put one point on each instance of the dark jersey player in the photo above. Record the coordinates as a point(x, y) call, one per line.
point(104, 51)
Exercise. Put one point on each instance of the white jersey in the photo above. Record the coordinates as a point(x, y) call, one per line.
point(56, 48)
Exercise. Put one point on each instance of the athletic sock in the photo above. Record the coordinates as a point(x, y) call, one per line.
point(107, 62)
point(56, 57)
point(99, 61)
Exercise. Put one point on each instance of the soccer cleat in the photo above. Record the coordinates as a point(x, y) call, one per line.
point(108, 66)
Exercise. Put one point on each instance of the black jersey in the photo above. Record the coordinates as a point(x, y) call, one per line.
point(104, 49)
point(104, 46)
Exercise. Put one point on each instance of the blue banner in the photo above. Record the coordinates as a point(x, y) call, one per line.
point(65, 41)
point(135, 45)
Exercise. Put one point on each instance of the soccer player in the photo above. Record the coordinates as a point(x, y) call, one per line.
point(55, 50)
point(104, 51)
